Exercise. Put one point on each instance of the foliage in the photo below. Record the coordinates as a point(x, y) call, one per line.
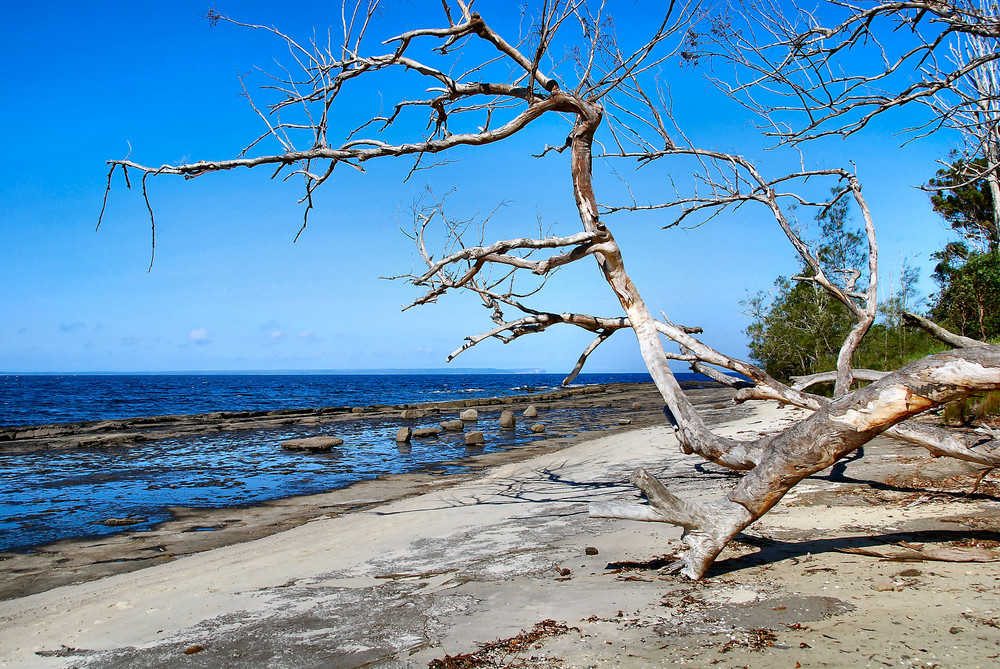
point(799, 328)
point(964, 201)
point(969, 298)
point(968, 270)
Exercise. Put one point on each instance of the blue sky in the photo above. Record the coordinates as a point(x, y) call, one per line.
point(229, 290)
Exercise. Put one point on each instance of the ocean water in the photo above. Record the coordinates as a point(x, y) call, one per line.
point(57, 398)
point(52, 495)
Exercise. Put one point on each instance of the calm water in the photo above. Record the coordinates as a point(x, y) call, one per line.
point(42, 399)
point(47, 496)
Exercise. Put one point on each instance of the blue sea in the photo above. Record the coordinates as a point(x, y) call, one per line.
point(60, 494)
point(42, 399)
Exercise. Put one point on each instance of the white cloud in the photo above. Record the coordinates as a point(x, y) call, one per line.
point(200, 336)
point(277, 334)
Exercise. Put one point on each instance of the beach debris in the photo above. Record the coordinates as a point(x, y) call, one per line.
point(496, 653)
point(507, 419)
point(403, 434)
point(474, 437)
point(191, 650)
point(537, 427)
point(410, 414)
point(905, 552)
point(422, 432)
point(470, 415)
point(591, 550)
point(312, 444)
point(753, 640)
point(531, 411)
point(655, 563)
point(124, 522)
point(453, 425)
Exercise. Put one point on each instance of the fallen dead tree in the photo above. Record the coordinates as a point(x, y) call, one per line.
point(603, 98)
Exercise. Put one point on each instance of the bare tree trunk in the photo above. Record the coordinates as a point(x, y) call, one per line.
point(812, 445)
point(932, 328)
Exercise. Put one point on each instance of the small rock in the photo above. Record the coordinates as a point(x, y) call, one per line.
point(403, 434)
point(883, 585)
point(531, 412)
point(956, 630)
point(910, 572)
point(563, 571)
point(537, 428)
point(507, 419)
point(427, 432)
point(474, 437)
point(191, 650)
point(636, 405)
point(312, 444)
point(453, 425)
point(410, 414)
point(590, 550)
point(123, 522)
point(624, 421)
point(470, 415)
point(358, 410)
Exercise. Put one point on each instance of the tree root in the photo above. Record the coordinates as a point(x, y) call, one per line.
point(707, 527)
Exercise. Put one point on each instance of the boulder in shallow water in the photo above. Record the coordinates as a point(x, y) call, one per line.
point(403, 435)
point(537, 427)
point(531, 411)
point(421, 432)
point(470, 415)
point(312, 444)
point(453, 425)
point(507, 419)
point(473, 438)
point(409, 414)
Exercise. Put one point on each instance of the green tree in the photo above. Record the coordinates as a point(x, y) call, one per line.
point(799, 328)
point(797, 331)
point(964, 201)
point(968, 270)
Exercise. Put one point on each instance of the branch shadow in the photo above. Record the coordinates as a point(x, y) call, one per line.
point(773, 550)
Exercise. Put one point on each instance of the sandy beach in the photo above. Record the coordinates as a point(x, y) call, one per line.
point(508, 553)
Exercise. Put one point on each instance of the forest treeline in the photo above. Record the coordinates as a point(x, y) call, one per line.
point(797, 328)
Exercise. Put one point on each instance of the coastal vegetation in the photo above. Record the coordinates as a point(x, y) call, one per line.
point(463, 82)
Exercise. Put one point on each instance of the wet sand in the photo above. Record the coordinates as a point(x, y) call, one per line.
point(498, 552)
